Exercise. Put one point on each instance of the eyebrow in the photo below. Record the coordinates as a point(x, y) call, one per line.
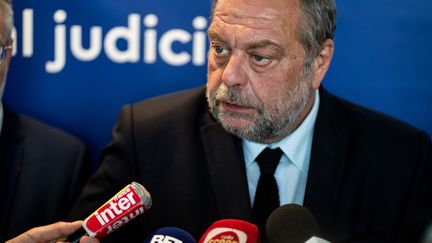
point(264, 44)
point(256, 45)
point(213, 35)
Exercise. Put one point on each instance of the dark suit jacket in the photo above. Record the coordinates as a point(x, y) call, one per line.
point(369, 176)
point(42, 172)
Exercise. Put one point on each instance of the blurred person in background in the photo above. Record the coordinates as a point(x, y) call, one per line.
point(42, 169)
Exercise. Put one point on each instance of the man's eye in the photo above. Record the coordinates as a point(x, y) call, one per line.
point(260, 60)
point(219, 50)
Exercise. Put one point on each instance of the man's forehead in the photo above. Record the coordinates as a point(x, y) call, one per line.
point(241, 10)
point(259, 14)
point(228, 23)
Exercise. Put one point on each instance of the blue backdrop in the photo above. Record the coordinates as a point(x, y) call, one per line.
point(76, 63)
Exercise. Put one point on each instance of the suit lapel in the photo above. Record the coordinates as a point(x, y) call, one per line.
point(329, 149)
point(226, 168)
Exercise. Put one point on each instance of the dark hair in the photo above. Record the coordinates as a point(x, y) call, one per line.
point(318, 25)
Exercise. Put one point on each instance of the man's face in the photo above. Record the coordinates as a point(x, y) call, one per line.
point(257, 87)
point(4, 41)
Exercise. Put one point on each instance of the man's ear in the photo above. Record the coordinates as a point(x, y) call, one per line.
point(322, 63)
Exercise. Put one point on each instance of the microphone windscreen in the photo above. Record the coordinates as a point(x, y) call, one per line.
point(291, 223)
point(170, 234)
point(231, 230)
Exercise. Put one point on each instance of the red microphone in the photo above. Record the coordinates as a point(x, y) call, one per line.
point(231, 230)
point(132, 201)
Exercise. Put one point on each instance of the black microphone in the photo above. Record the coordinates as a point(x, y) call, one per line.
point(291, 223)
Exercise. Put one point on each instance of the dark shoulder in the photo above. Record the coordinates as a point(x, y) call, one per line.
point(189, 98)
point(178, 107)
point(43, 134)
point(371, 125)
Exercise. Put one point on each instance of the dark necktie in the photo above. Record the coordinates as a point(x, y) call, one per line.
point(267, 194)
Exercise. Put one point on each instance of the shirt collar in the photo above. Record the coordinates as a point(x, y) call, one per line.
point(294, 145)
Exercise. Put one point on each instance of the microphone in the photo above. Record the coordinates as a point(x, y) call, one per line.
point(231, 230)
point(170, 235)
point(291, 223)
point(127, 204)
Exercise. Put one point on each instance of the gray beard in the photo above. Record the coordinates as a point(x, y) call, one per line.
point(272, 122)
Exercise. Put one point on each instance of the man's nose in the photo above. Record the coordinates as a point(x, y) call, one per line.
point(234, 73)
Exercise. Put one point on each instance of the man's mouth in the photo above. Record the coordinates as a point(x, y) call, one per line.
point(231, 107)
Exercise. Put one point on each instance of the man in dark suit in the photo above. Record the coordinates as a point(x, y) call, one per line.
point(365, 176)
point(42, 169)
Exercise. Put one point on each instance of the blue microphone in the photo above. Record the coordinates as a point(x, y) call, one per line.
point(170, 235)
